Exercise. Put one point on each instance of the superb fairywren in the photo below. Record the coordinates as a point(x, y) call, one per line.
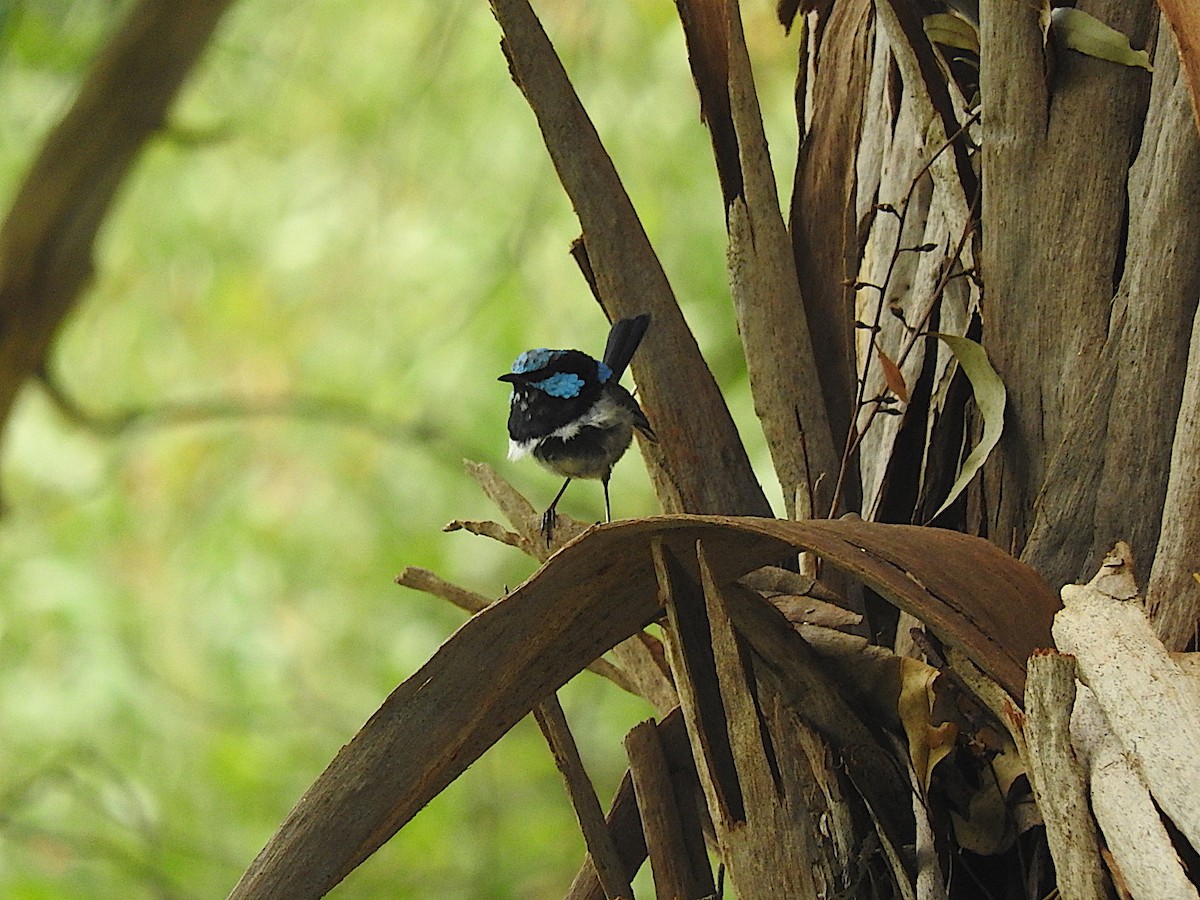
point(571, 413)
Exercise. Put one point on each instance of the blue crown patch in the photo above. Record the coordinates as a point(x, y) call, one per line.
point(603, 372)
point(560, 384)
point(532, 360)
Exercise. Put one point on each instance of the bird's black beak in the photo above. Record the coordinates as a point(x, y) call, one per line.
point(512, 378)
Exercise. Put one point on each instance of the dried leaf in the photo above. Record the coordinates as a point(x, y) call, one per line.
point(893, 375)
point(990, 397)
point(986, 829)
point(953, 31)
point(927, 744)
point(1077, 30)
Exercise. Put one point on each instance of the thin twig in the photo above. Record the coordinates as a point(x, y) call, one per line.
point(855, 435)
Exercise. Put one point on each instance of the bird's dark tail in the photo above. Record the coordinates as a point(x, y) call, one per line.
point(623, 340)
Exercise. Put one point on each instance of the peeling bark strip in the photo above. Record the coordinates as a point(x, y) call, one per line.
point(593, 594)
point(1059, 779)
point(699, 463)
point(1147, 864)
point(784, 377)
point(676, 852)
point(1147, 700)
point(46, 241)
point(822, 220)
point(601, 848)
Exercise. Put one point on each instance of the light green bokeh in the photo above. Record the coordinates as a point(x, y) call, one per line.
point(352, 205)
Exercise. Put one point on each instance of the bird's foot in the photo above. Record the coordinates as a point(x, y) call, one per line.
point(549, 518)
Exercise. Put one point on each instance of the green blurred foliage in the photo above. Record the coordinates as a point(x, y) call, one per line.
point(351, 205)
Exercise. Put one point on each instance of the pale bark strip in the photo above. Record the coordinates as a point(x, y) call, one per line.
point(46, 242)
point(930, 883)
point(1146, 698)
point(553, 723)
point(1132, 827)
point(1173, 595)
point(1059, 780)
point(911, 141)
point(698, 463)
point(784, 377)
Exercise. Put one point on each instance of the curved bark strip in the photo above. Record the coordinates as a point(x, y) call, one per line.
point(597, 591)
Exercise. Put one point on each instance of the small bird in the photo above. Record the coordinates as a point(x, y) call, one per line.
point(570, 412)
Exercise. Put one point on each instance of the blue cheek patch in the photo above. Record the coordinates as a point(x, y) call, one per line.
point(532, 360)
point(603, 372)
point(561, 384)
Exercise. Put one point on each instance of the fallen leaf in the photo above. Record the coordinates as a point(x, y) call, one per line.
point(893, 375)
point(928, 744)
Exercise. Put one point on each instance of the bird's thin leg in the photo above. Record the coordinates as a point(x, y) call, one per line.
point(607, 507)
point(549, 516)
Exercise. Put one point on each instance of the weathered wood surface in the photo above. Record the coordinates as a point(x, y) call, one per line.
point(1147, 700)
point(594, 593)
point(1121, 436)
point(699, 464)
point(1054, 198)
point(1173, 594)
point(1059, 779)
